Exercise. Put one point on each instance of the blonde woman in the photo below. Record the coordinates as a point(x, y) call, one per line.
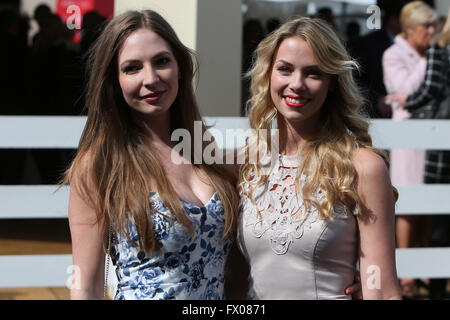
point(327, 202)
point(404, 69)
point(169, 225)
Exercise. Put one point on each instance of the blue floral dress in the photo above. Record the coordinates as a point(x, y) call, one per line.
point(186, 267)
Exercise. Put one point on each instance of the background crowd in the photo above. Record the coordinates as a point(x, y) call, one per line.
point(43, 76)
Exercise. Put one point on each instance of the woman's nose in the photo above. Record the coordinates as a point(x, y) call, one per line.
point(297, 81)
point(151, 76)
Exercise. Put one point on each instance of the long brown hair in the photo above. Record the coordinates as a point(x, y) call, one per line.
point(113, 154)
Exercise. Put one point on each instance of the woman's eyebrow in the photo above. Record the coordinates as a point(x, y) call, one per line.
point(312, 67)
point(157, 55)
point(162, 53)
point(308, 67)
point(129, 61)
point(283, 61)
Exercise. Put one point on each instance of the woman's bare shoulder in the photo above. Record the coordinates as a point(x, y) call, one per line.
point(81, 178)
point(368, 163)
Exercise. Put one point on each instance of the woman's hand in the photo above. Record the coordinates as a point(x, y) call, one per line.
point(399, 98)
point(355, 288)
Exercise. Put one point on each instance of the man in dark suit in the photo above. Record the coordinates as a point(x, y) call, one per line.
point(368, 50)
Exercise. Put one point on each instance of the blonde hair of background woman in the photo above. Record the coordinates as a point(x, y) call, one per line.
point(114, 148)
point(416, 13)
point(326, 158)
point(443, 38)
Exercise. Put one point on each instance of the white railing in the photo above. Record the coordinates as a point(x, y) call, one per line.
point(37, 202)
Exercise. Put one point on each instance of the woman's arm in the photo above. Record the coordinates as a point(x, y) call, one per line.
point(87, 247)
point(376, 227)
point(435, 79)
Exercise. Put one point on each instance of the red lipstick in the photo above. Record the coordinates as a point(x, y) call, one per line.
point(153, 97)
point(294, 105)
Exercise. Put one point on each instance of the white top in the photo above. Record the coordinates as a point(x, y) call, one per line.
point(293, 254)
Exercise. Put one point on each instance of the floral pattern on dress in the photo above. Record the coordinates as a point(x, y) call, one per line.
point(186, 267)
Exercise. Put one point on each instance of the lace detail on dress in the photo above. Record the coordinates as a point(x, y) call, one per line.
point(281, 212)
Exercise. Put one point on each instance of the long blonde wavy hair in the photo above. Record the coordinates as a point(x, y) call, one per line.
point(113, 154)
point(327, 158)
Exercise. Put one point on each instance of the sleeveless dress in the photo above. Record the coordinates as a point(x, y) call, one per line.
point(291, 255)
point(186, 267)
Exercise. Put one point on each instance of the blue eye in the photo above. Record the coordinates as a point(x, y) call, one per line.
point(283, 69)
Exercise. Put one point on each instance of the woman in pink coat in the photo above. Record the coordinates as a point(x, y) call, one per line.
point(404, 70)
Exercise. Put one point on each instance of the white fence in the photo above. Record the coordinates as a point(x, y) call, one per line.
point(37, 202)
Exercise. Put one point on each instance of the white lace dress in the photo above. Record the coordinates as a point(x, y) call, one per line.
point(294, 255)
